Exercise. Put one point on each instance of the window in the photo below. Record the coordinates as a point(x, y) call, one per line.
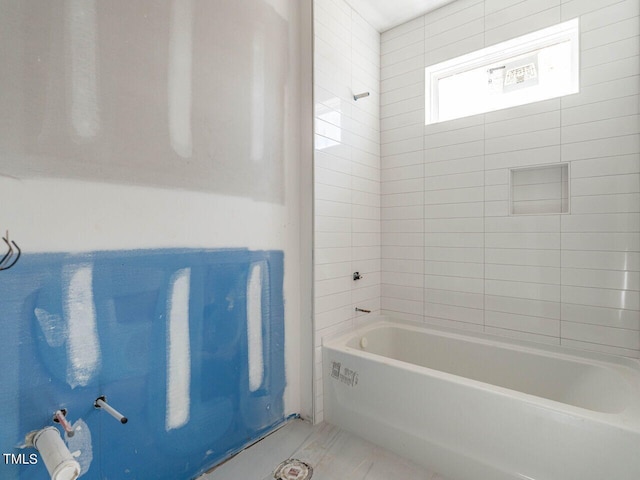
point(527, 69)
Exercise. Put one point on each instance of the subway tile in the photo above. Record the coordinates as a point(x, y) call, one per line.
point(450, 312)
point(455, 225)
point(450, 254)
point(402, 29)
point(399, 134)
point(402, 173)
point(532, 291)
point(615, 337)
point(523, 224)
point(627, 202)
point(610, 279)
point(524, 9)
point(452, 324)
point(607, 166)
point(460, 180)
point(454, 151)
point(327, 208)
point(523, 25)
point(396, 251)
point(456, 166)
point(520, 111)
point(598, 297)
point(518, 335)
point(624, 261)
point(522, 306)
point(402, 199)
point(456, 49)
point(454, 137)
point(606, 185)
point(621, 242)
point(496, 209)
point(332, 239)
point(398, 42)
point(402, 266)
point(575, 8)
point(438, 38)
point(456, 240)
point(331, 302)
point(609, 15)
point(524, 158)
point(606, 109)
point(332, 286)
point(600, 86)
point(405, 226)
point(364, 239)
point(519, 273)
point(612, 127)
point(331, 270)
point(494, 193)
point(402, 186)
point(402, 213)
point(458, 284)
point(460, 18)
point(401, 305)
point(600, 348)
point(609, 52)
point(454, 210)
point(524, 141)
point(612, 222)
point(611, 317)
point(332, 224)
point(524, 124)
point(403, 66)
point(525, 257)
point(448, 297)
point(332, 255)
point(523, 323)
point(365, 212)
point(415, 117)
point(415, 280)
point(401, 292)
point(541, 241)
point(401, 81)
point(457, 195)
point(454, 269)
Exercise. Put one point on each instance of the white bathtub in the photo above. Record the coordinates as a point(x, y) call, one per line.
point(476, 407)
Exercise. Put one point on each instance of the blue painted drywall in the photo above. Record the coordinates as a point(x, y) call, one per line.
point(130, 292)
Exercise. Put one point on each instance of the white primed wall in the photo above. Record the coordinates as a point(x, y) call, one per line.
point(451, 253)
point(347, 173)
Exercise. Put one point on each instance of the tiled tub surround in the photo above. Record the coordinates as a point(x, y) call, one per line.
point(452, 255)
point(496, 410)
point(347, 172)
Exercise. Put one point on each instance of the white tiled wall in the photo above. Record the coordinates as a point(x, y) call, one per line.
point(347, 172)
point(451, 253)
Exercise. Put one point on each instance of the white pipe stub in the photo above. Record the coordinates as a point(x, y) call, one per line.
point(56, 456)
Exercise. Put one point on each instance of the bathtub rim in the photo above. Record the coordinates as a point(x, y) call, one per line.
point(628, 368)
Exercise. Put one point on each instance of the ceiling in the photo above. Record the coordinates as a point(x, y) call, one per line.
point(386, 14)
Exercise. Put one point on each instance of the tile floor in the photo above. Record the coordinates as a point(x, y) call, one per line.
point(333, 453)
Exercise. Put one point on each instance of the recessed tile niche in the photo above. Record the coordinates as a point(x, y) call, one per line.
point(540, 190)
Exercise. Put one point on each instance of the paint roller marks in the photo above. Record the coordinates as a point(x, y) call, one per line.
point(53, 327)
point(254, 328)
point(178, 351)
point(83, 346)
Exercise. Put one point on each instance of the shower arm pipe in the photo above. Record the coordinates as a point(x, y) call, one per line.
point(101, 402)
point(60, 416)
point(361, 95)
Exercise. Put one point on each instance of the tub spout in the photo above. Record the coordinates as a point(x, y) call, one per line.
point(362, 310)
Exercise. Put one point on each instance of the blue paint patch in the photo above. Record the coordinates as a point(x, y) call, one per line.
point(130, 295)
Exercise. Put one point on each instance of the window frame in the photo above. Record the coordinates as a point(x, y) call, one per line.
point(504, 51)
